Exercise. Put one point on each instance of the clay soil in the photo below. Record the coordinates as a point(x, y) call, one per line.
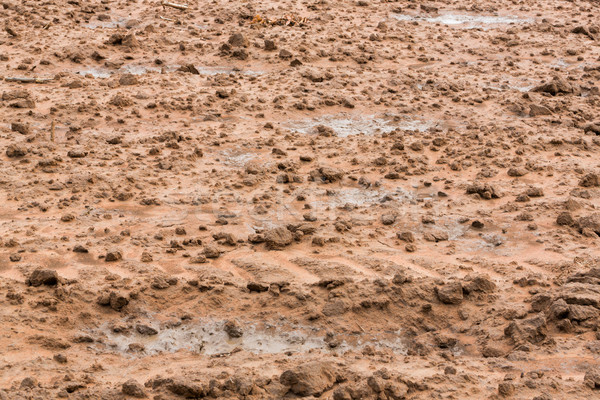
point(299, 199)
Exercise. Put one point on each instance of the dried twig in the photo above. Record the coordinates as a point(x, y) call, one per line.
point(174, 5)
point(167, 19)
point(29, 80)
point(52, 130)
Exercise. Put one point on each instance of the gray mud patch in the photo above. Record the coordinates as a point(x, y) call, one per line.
point(363, 197)
point(236, 158)
point(136, 69)
point(113, 24)
point(465, 21)
point(208, 337)
point(345, 125)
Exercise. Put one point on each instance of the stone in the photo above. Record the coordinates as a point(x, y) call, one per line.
point(537, 110)
point(592, 378)
point(388, 219)
point(506, 389)
point(41, 277)
point(146, 330)
point(133, 388)
point(532, 330)
point(309, 379)
point(278, 238)
point(21, 128)
point(128, 80)
point(591, 222)
point(450, 293)
point(590, 180)
point(408, 237)
point(186, 390)
point(232, 329)
point(211, 251)
point(565, 219)
point(238, 40)
point(257, 287)
point(479, 283)
point(270, 45)
point(556, 86)
point(16, 150)
point(334, 307)
point(113, 255)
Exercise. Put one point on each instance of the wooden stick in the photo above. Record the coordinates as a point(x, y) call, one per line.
point(175, 5)
point(29, 80)
point(167, 19)
point(52, 131)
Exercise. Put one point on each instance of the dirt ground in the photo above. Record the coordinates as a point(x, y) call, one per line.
point(282, 199)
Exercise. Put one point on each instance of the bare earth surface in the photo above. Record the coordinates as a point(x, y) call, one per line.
point(335, 200)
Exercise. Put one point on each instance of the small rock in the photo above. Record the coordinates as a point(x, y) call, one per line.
point(238, 40)
point(133, 388)
point(211, 251)
point(113, 255)
point(128, 80)
point(278, 238)
point(23, 129)
point(592, 379)
point(257, 287)
point(15, 150)
point(146, 330)
point(388, 219)
point(29, 383)
point(232, 329)
point(408, 237)
point(270, 45)
point(41, 277)
point(565, 219)
point(450, 293)
point(506, 389)
point(590, 180)
point(309, 379)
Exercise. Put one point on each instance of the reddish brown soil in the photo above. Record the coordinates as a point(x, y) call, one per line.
point(378, 200)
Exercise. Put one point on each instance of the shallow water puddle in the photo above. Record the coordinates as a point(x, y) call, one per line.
point(465, 21)
point(345, 125)
point(209, 337)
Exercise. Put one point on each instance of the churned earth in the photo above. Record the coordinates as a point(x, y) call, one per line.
point(282, 199)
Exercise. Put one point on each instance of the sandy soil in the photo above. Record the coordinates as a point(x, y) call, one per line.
point(334, 200)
